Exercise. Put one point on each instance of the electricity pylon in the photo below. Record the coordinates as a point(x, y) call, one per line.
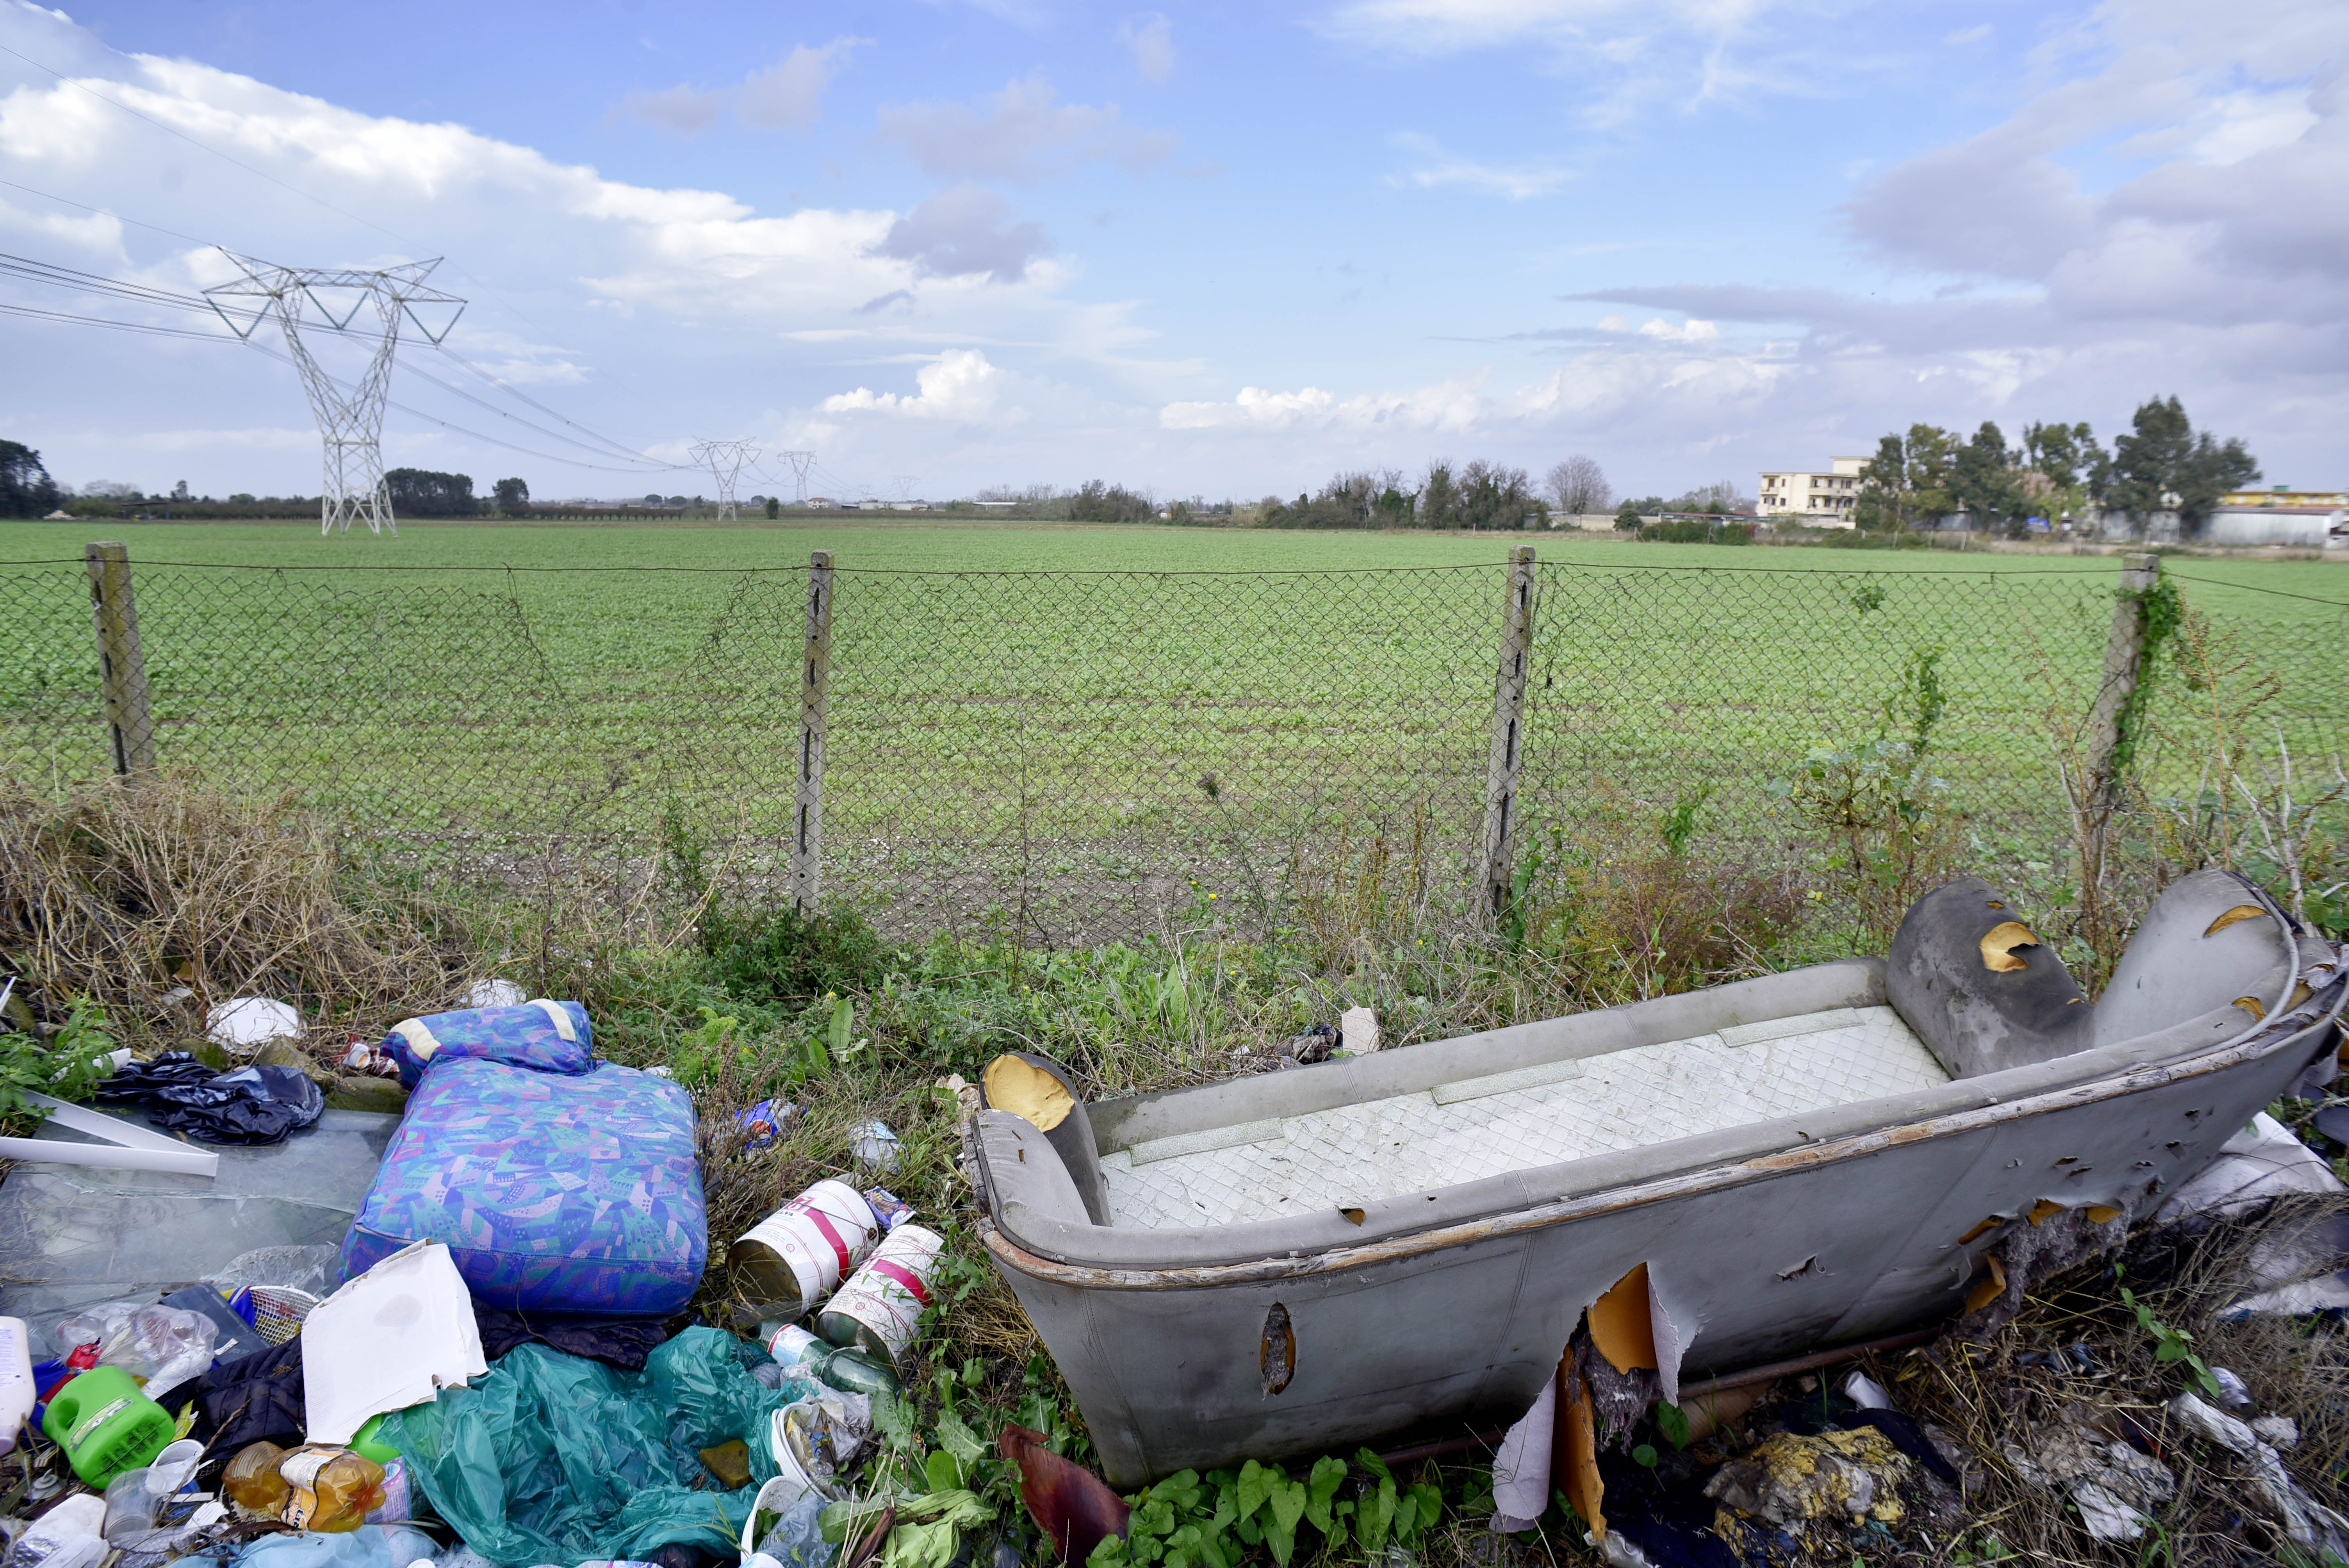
point(800, 463)
point(350, 422)
point(725, 460)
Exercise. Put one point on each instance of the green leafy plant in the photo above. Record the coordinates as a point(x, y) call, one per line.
point(1672, 1421)
point(1189, 1521)
point(1880, 801)
point(707, 1047)
point(2170, 1344)
point(69, 1068)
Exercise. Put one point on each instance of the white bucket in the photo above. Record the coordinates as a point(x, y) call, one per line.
point(886, 1297)
point(806, 1248)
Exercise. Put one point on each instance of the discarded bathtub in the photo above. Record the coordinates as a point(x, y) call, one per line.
point(1300, 1262)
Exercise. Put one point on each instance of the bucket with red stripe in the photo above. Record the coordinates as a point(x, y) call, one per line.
point(797, 1255)
point(877, 1310)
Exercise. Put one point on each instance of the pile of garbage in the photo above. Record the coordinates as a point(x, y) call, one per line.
point(420, 1393)
point(515, 1360)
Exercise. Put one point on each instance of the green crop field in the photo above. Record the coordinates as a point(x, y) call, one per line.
point(1018, 708)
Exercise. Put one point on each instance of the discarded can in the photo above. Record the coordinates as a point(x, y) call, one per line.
point(888, 1208)
point(877, 1310)
point(797, 1255)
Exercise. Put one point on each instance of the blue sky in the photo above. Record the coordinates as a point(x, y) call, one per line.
point(1213, 250)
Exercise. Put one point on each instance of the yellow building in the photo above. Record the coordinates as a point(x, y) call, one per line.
point(2284, 495)
point(1821, 500)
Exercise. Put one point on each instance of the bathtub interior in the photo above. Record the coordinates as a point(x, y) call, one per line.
point(1473, 1127)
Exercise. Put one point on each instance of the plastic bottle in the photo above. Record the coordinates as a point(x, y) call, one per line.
point(106, 1426)
point(803, 1356)
point(252, 1484)
point(17, 1390)
point(332, 1489)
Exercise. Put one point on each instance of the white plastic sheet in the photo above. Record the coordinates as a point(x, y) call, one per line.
point(393, 1337)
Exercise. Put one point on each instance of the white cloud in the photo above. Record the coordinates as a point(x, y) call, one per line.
point(1690, 331)
point(1023, 134)
point(959, 385)
point(1452, 405)
point(1151, 37)
point(788, 95)
point(685, 110)
point(1432, 168)
point(963, 231)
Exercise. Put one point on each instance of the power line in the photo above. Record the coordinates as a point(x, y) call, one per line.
point(263, 349)
point(457, 267)
point(103, 212)
point(29, 269)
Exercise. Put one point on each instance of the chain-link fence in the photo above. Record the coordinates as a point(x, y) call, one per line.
point(1081, 755)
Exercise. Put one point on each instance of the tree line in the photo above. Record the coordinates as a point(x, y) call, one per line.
point(2160, 464)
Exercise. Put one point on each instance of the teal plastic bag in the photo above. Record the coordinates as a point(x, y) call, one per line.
point(556, 1459)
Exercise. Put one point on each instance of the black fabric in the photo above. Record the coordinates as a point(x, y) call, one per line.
point(622, 1342)
point(1663, 1511)
point(248, 1400)
point(254, 1105)
point(1906, 1436)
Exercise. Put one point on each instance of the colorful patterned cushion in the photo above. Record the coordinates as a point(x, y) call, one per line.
point(552, 1037)
point(575, 1193)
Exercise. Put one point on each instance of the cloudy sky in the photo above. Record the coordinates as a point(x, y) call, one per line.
point(1221, 250)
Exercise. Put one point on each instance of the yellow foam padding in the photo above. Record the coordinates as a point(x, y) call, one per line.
point(1623, 1324)
point(1998, 943)
point(419, 1038)
point(2241, 911)
point(1015, 1086)
point(561, 1019)
point(1574, 1449)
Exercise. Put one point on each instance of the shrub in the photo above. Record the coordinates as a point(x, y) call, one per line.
point(786, 956)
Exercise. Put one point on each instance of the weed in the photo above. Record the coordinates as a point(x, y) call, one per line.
point(74, 1063)
point(788, 957)
point(1880, 802)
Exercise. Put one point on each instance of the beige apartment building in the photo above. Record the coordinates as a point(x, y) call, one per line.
point(1822, 500)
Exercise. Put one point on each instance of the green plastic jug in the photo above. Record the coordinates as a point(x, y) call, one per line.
point(104, 1425)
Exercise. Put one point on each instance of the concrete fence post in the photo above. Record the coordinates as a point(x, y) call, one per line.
point(1496, 844)
point(122, 671)
point(815, 684)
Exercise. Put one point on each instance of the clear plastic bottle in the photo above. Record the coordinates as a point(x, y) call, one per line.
point(802, 1356)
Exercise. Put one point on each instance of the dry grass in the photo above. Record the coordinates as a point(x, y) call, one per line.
point(161, 899)
point(1989, 1395)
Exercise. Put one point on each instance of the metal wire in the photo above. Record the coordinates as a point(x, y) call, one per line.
point(1080, 757)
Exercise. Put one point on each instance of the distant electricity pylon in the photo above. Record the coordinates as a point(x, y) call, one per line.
point(800, 463)
point(725, 460)
point(351, 425)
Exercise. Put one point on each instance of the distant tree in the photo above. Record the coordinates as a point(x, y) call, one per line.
point(1096, 502)
point(1495, 496)
point(2162, 463)
point(1439, 496)
point(1578, 486)
point(420, 492)
point(25, 487)
point(1984, 482)
point(513, 497)
point(1627, 516)
point(774, 506)
point(652, 500)
point(1907, 481)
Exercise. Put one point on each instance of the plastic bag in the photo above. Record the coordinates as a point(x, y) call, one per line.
point(163, 1345)
point(554, 1458)
point(369, 1546)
